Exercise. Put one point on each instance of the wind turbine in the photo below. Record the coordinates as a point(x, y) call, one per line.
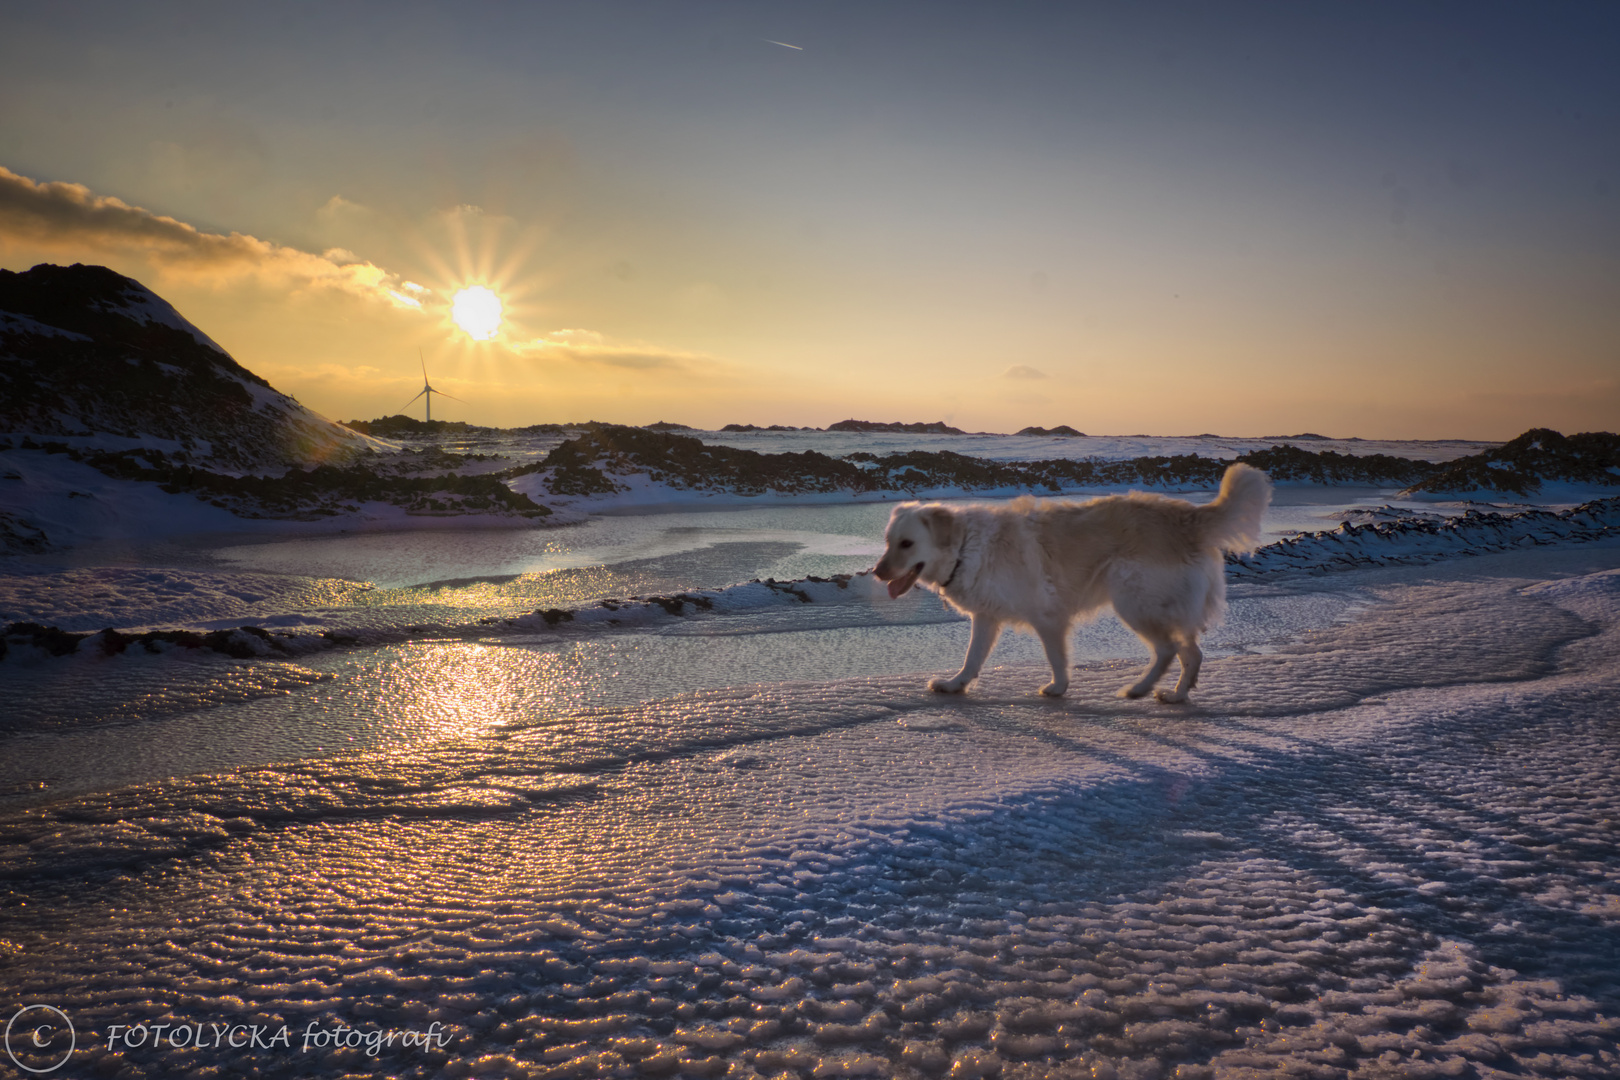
point(427, 389)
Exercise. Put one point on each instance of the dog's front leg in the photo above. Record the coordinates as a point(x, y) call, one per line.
point(983, 638)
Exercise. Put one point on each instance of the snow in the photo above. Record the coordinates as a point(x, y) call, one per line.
point(1391, 537)
point(999, 447)
point(11, 322)
point(723, 829)
point(298, 415)
point(76, 505)
point(141, 304)
point(128, 511)
point(1360, 853)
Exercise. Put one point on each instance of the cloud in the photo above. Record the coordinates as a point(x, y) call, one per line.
point(70, 216)
point(1024, 371)
point(590, 347)
point(337, 208)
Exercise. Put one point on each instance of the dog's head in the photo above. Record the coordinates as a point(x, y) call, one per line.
point(920, 542)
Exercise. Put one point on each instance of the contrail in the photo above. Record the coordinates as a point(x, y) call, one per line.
point(784, 44)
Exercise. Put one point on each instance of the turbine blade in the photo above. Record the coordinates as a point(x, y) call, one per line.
point(452, 397)
point(419, 356)
point(408, 404)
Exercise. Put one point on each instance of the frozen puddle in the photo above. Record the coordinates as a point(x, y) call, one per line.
point(1387, 850)
point(91, 721)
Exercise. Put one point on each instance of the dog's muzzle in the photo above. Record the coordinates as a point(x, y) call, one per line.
point(899, 586)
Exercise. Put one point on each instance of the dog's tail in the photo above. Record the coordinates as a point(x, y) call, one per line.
point(1232, 521)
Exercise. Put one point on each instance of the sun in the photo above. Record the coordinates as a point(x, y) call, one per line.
point(477, 310)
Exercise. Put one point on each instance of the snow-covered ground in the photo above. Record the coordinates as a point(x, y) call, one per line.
point(589, 802)
point(524, 446)
point(1380, 843)
point(999, 447)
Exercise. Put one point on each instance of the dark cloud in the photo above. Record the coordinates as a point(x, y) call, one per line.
point(72, 218)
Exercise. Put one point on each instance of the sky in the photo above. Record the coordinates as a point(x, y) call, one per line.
point(1388, 220)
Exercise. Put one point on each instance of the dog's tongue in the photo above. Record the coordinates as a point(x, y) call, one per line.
point(898, 587)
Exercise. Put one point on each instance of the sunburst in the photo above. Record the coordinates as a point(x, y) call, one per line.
point(477, 310)
point(480, 263)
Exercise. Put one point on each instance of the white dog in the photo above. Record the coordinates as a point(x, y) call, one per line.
point(1044, 565)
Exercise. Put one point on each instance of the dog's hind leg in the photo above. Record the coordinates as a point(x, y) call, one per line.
point(1163, 652)
point(1192, 658)
point(1055, 639)
point(983, 638)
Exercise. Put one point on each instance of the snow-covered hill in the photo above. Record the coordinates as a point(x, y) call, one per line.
point(91, 355)
point(120, 418)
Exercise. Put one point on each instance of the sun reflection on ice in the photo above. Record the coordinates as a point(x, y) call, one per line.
point(451, 690)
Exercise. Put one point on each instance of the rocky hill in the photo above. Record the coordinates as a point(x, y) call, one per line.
point(938, 427)
point(407, 427)
point(609, 460)
point(1534, 458)
point(99, 373)
point(85, 351)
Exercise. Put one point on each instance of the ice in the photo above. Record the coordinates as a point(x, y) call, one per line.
point(1105, 447)
point(1381, 846)
point(694, 824)
point(1426, 538)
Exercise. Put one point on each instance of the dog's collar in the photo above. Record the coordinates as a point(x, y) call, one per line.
point(954, 569)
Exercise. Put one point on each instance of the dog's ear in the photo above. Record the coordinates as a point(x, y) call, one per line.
point(941, 523)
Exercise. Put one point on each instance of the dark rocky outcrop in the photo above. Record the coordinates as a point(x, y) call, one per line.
point(1060, 430)
point(585, 464)
point(87, 353)
point(85, 350)
point(325, 490)
point(596, 461)
point(405, 427)
point(1523, 465)
point(19, 537)
point(241, 643)
point(938, 427)
point(1328, 467)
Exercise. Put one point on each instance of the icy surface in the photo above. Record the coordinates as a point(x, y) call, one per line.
point(1104, 447)
point(1382, 847)
point(621, 572)
point(1392, 537)
point(596, 803)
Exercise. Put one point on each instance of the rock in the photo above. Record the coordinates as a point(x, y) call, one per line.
point(938, 427)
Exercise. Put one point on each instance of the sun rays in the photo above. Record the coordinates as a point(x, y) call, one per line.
point(477, 310)
point(478, 265)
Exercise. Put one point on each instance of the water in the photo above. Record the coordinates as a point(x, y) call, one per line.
point(560, 856)
point(748, 841)
point(74, 723)
point(682, 549)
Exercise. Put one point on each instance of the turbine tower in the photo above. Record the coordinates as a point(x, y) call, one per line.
point(428, 391)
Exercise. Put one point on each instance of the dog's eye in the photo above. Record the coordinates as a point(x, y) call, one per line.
point(905, 543)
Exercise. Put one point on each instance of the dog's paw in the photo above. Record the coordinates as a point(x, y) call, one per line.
point(1132, 692)
point(1170, 697)
point(1053, 689)
point(946, 686)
